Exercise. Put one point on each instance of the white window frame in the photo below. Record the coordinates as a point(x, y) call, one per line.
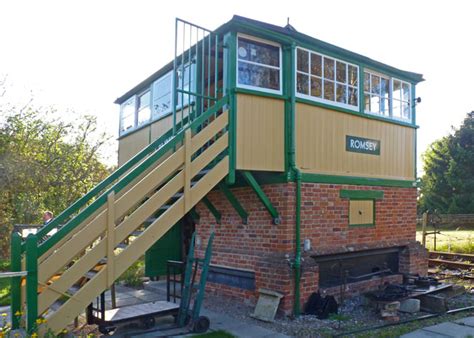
point(390, 98)
point(322, 99)
point(260, 89)
point(124, 132)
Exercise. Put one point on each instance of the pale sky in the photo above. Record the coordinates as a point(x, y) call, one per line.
point(82, 55)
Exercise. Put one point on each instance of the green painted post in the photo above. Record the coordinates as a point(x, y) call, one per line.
point(202, 282)
point(186, 293)
point(31, 282)
point(217, 215)
point(230, 42)
point(235, 203)
point(15, 266)
point(262, 196)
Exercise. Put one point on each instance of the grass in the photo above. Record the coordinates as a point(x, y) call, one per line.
point(451, 240)
point(4, 284)
point(216, 334)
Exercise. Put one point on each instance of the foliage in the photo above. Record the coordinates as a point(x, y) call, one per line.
point(215, 334)
point(448, 183)
point(133, 275)
point(4, 284)
point(45, 163)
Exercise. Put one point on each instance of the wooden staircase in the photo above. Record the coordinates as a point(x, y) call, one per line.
point(96, 244)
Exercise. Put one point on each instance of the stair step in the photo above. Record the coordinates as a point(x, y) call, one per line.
point(178, 195)
point(203, 172)
point(73, 289)
point(122, 245)
point(165, 207)
point(90, 274)
point(136, 233)
point(150, 220)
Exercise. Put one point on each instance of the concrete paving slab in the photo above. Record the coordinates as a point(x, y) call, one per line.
point(469, 321)
point(451, 329)
point(423, 334)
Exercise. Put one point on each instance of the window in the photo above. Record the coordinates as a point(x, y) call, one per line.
point(258, 65)
point(187, 83)
point(361, 206)
point(143, 112)
point(327, 80)
point(387, 97)
point(162, 95)
point(361, 212)
point(127, 115)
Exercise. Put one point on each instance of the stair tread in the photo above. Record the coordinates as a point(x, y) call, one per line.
point(73, 289)
point(122, 245)
point(136, 233)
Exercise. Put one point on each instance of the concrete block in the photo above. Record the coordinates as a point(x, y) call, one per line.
point(433, 303)
point(411, 305)
point(453, 291)
point(267, 305)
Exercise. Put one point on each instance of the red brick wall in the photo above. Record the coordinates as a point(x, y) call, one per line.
point(268, 249)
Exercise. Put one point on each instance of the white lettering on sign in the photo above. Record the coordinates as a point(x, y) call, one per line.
point(366, 145)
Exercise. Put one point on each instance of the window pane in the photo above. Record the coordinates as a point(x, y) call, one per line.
point(259, 76)
point(162, 105)
point(144, 115)
point(302, 83)
point(406, 111)
point(340, 72)
point(367, 82)
point(144, 100)
point(397, 89)
point(341, 93)
point(367, 102)
point(316, 65)
point(384, 109)
point(329, 90)
point(405, 91)
point(352, 75)
point(162, 96)
point(259, 52)
point(316, 87)
point(396, 109)
point(353, 96)
point(128, 115)
point(375, 104)
point(329, 68)
point(375, 84)
point(302, 60)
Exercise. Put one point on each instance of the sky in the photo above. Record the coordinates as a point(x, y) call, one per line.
point(82, 55)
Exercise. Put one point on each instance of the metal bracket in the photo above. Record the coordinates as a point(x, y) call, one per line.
point(262, 196)
point(212, 209)
point(235, 203)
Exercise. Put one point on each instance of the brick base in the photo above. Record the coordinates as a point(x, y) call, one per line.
point(269, 249)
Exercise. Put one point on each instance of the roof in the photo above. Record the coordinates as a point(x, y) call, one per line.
point(289, 34)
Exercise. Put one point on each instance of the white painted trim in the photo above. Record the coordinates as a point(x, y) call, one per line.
point(280, 68)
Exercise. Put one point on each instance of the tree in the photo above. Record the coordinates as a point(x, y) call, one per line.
point(45, 164)
point(448, 182)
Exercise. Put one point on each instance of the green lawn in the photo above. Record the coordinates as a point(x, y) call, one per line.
point(4, 284)
point(215, 334)
point(453, 240)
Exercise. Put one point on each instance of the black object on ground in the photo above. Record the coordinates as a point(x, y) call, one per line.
point(321, 307)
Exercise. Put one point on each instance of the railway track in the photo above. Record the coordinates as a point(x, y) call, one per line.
point(453, 261)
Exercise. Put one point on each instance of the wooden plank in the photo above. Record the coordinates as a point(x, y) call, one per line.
point(187, 168)
point(72, 248)
point(260, 133)
point(110, 238)
point(74, 306)
point(321, 149)
point(71, 276)
point(149, 183)
point(208, 132)
point(139, 216)
point(209, 181)
point(133, 311)
point(209, 154)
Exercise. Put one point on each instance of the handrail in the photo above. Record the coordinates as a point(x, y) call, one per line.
point(11, 274)
point(130, 176)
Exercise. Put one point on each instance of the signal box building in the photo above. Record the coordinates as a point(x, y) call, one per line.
point(319, 186)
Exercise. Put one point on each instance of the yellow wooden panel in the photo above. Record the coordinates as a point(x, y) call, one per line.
point(361, 212)
point(132, 144)
point(321, 148)
point(160, 127)
point(260, 133)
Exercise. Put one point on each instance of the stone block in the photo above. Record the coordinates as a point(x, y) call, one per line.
point(267, 305)
point(411, 305)
point(433, 303)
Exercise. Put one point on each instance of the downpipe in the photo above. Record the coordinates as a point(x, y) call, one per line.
point(297, 262)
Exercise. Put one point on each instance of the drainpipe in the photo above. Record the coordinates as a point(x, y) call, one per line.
point(297, 177)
